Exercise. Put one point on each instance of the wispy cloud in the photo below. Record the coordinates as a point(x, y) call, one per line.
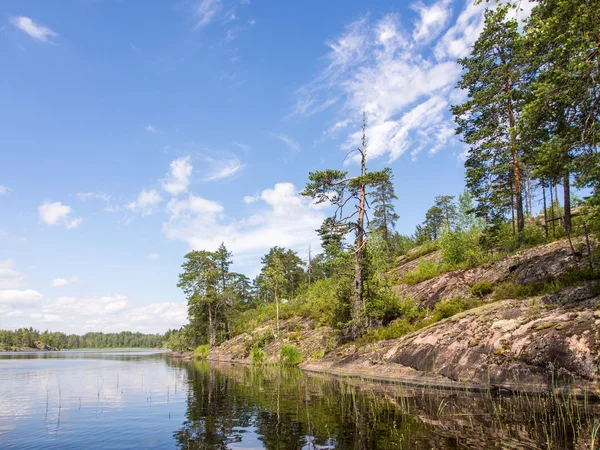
point(291, 143)
point(382, 67)
point(432, 20)
point(55, 213)
point(4, 190)
point(36, 31)
point(206, 11)
point(150, 129)
point(153, 256)
point(220, 168)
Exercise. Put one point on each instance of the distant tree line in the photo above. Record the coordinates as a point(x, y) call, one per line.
point(31, 338)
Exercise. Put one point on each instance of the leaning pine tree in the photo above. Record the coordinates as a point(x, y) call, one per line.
point(335, 187)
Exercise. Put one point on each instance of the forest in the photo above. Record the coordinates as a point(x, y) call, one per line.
point(28, 338)
point(530, 118)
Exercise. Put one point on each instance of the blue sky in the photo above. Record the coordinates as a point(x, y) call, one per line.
point(132, 132)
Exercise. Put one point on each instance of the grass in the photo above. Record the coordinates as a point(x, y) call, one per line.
point(572, 277)
point(258, 356)
point(425, 270)
point(202, 351)
point(290, 355)
point(482, 289)
point(401, 327)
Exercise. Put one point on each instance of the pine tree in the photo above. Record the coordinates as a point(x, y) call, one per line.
point(384, 212)
point(489, 119)
point(336, 188)
point(563, 55)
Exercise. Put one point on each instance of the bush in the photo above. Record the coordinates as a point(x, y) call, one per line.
point(317, 354)
point(258, 356)
point(482, 289)
point(202, 351)
point(533, 234)
point(388, 306)
point(396, 329)
point(460, 248)
point(449, 307)
point(262, 341)
point(290, 355)
point(294, 336)
point(426, 270)
point(324, 302)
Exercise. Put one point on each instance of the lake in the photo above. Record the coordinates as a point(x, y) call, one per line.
point(142, 399)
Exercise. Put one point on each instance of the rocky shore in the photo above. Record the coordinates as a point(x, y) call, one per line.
point(536, 343)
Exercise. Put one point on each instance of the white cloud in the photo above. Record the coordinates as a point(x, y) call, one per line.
point(458, 40)
point(62, 282)
point(4, 190)
point(281, 217)
point(221, 168)
point(9, 277)
point(291, 143)
point(178, 178)
point(55, 213)
point(145, 202)
point(432, 20)
point(150, 129)
point(20, 298)
point(153, 255)
point(382, 68)
point(206, 11)
point(36, 31)
point(45, 318)
point(93, 306)
point(83, 196)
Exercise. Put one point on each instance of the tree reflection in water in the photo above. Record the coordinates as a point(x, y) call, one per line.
point(235, 406)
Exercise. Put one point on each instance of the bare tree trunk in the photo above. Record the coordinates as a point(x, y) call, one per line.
point(545, 210)
point(385, 226)
point(512, 212)
point(357, 300)
point(515, 163)
point(552, 186)
point(211, 327)
point(309, 269)
point(277, 308)
point(567, 204)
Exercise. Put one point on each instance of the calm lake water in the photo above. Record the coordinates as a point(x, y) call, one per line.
point(136, 399)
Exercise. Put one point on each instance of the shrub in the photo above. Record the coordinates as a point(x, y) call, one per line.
point(396, 329)
point(317, 354)
point(482, 289)
point(449, 307)
point(460, 248)
point(388, 306)
point(294, 336)
point(202, 351)
point(290, 355)
point(258, 356)
point(324, 302)
point(262, 341)
point(426, 270)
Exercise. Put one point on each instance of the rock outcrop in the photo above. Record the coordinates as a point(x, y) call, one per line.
point(527, 266)
point(512, 344)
